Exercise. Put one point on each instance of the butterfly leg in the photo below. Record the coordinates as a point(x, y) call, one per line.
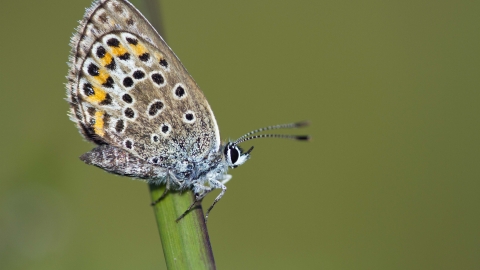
point(200, 193)
point(217, 184)
point(161, 197)
point(227, 178)
point(167, 188)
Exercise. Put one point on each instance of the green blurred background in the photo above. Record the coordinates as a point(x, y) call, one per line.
point(390, 180)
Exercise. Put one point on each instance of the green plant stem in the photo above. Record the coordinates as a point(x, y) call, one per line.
point(186, 244)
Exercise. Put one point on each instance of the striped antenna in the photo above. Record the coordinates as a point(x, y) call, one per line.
point(281, 136)
point(282, 126)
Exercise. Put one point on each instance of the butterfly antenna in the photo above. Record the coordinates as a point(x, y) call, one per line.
point(281, 136)
point(281, 126)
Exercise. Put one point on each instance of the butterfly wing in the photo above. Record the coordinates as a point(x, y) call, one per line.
point(126, 88)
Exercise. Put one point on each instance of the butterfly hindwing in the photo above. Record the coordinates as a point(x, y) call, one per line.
point(129, 90)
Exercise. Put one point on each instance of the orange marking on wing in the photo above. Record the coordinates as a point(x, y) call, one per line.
point(98, 126)
point(102, 76)
point(98, 97)
point(138, 49)
point(106, 60)
point(158, 56)
point(118, 51)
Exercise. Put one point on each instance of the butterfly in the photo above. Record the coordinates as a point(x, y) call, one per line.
point(131, 96)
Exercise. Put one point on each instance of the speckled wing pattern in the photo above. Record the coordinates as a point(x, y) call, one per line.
point(127, 89)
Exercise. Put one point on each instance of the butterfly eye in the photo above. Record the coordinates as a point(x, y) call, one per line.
point(233, 154)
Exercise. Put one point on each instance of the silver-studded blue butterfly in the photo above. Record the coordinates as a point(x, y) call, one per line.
point(131, 95)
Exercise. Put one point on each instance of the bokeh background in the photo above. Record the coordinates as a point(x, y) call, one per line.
point(391, 179)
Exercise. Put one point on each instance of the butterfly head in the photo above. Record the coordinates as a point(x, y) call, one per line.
point(234, 155)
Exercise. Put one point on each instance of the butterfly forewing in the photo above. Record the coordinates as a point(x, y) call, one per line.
point(129, 90)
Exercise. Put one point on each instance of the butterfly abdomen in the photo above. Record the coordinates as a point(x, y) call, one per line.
point(118, 161)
